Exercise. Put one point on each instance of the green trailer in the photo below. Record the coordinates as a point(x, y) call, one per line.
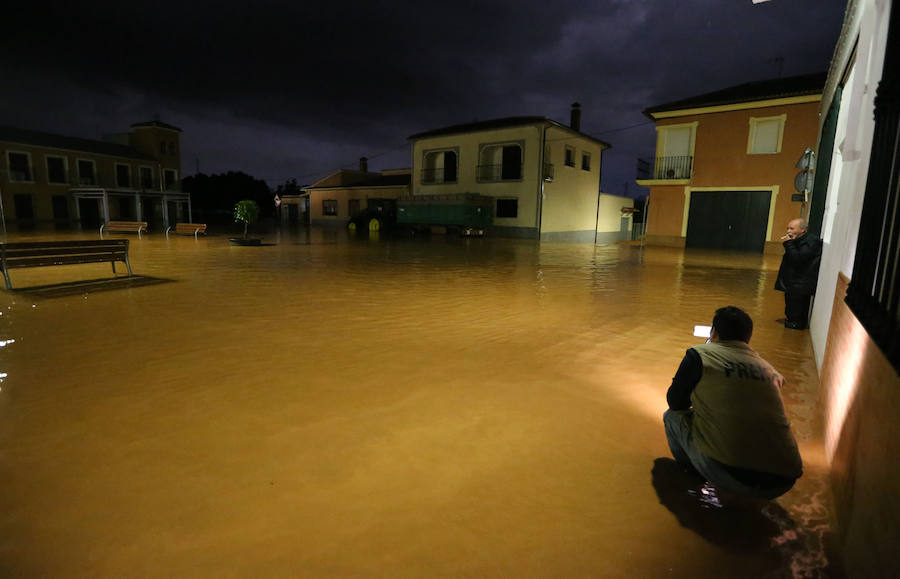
point(464, 210)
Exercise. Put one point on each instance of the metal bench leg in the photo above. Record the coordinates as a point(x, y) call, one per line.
point(6, 277)
point(139, 234)
point(128, 265)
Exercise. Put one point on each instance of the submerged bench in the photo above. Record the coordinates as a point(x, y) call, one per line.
point(194, 229)
point(124, 227)
point(45, 253)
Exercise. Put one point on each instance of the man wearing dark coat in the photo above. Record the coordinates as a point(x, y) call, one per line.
point(798, 273)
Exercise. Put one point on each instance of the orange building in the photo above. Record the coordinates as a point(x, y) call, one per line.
point(723, 175)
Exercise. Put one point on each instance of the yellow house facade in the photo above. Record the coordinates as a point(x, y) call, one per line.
point(334, 199)
point(724, 172)
point(48, 179)
point(544, 177)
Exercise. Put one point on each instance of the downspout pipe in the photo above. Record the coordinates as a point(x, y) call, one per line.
point(599, 192)
point(540, 192)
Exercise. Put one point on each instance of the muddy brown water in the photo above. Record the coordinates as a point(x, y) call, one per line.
point(336, 407)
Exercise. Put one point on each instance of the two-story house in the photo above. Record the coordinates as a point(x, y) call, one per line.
point(68, 181)
point(543, 176)
point(725, 165)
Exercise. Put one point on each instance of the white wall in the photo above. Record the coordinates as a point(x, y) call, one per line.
point(850, 163)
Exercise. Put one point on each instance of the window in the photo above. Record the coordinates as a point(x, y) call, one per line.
point(162, 147)
point(146, 176)
point(570, 156)
point(507, 208)
point(674, 151)
point(765, 135)
point(173, 148)
point(500, 163)
point(123, 175)
point(439, 167)
point(87, 172)
point(586, 161)
point(170, 179)
point(329, 206)
point(19, 166)
point(353, 207)
point(57, 169)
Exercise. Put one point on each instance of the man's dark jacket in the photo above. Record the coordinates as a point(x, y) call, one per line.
point(800, 265)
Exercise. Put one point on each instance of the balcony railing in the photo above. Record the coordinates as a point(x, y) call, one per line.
point(665, 168)
point(438, 175)
point(502, 172)
point(548, 173)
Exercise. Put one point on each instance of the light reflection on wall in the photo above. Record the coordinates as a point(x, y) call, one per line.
point(844, 384)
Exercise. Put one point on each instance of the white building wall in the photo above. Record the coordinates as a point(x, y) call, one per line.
point(850, 164)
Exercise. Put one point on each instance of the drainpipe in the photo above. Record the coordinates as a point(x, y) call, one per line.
point(599, 192)
point(540, 199)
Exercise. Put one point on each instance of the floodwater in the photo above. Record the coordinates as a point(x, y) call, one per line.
point(334, 407)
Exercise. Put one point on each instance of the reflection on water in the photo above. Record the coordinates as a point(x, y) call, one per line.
point(334, 406)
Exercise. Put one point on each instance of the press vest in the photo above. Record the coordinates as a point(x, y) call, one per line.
point(739, 418)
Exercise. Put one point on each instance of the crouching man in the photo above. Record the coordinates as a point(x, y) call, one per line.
point(725, 416)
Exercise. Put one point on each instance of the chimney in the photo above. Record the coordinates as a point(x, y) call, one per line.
point(575, 122)
point(364, 164)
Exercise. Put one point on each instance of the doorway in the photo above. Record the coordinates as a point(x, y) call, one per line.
point(731, 220)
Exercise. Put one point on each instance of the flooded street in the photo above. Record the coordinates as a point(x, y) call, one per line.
point(334, 407)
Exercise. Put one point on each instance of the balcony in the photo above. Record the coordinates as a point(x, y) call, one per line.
point(438, 175)
point(501, 172)
point(548, 173)
point(665, 168)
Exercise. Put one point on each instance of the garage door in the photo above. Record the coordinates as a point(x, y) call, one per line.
point(733, 220)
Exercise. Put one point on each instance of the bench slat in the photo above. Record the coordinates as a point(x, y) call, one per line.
point(16, 253)
point(17, 245)
point(62, 260)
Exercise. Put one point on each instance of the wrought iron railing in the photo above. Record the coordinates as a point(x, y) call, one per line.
point(438, 175)
point(663, 168)
point(501, 172)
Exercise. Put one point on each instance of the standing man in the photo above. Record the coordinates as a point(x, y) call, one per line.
point(725, 416)
point(798, 273)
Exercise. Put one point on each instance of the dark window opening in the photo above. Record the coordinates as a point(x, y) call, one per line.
point(512, 163)
point(171, 178)
point(56, 170)
point(329, 207)
point(586, 162)
point(449, 167)
point(507, 208)
point(146, 178)
point(86, 173)
point(570, 156)
point(19, 167)
point(123, 176)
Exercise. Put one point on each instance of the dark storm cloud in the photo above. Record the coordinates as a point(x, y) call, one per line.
point(293, 88)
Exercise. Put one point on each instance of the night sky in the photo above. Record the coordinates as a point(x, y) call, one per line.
point(299, 89)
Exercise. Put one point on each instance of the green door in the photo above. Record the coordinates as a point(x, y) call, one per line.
point(732, 220)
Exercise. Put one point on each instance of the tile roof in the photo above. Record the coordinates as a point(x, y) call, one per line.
point(501, 123)
point(50, 140)
point(807, 84)
point(159, 124)
point(372, 180)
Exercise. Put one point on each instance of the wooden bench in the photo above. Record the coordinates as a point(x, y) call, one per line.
point(44, 253)
point(124, 227)
point(194, 229)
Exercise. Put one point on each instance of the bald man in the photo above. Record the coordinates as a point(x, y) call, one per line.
point(798, 273)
